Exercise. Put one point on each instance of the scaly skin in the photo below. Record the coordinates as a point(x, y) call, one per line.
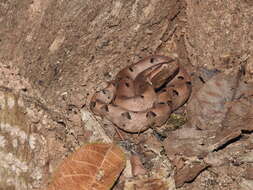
point(143, 94)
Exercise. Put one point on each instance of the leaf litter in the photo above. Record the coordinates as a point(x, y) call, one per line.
point(92, 167)
point(220, 114)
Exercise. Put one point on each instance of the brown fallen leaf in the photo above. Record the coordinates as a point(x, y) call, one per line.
point(249, 173)
point(137, 167)
point(184, 148)
point(238, 119)
point(221, 109)
point(224, 105)
point(189, 173)
point(207, 107)
point(92, 167)
point(146, 184)
point(187, 142)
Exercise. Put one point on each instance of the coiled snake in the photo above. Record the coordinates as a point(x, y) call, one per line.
point(143, 94)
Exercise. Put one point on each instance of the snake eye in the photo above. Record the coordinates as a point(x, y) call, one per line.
point(152, 60)
point(127, 84)
point(131, 69)
point(150, 114)
point(180, 77)
point(175, 93)
point(126, 115)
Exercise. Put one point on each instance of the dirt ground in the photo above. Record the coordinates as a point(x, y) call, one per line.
point(54, 54)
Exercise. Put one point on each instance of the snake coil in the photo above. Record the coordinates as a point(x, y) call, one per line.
point(143, 94)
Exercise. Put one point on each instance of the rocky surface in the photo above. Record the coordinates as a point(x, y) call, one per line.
point(54, 54)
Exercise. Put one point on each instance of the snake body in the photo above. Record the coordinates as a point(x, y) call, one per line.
point(143, 94)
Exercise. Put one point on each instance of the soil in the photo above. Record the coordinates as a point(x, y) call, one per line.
point(54, 54)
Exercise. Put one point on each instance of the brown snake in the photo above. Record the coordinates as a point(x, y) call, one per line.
point(143, 94)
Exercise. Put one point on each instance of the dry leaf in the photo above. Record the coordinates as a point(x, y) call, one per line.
point(188, 142)
point(238, 119)
point(92, 167)
point(189, 173)
point(185, 147)
point(137, 167)
point(223, 104)
point(207, 107)
point(249, 173)
point(220, 109)
point(147, 184)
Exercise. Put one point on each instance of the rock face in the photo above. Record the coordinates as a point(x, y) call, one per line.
point(20, 146)
point(221, 37)
point(67, 46)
